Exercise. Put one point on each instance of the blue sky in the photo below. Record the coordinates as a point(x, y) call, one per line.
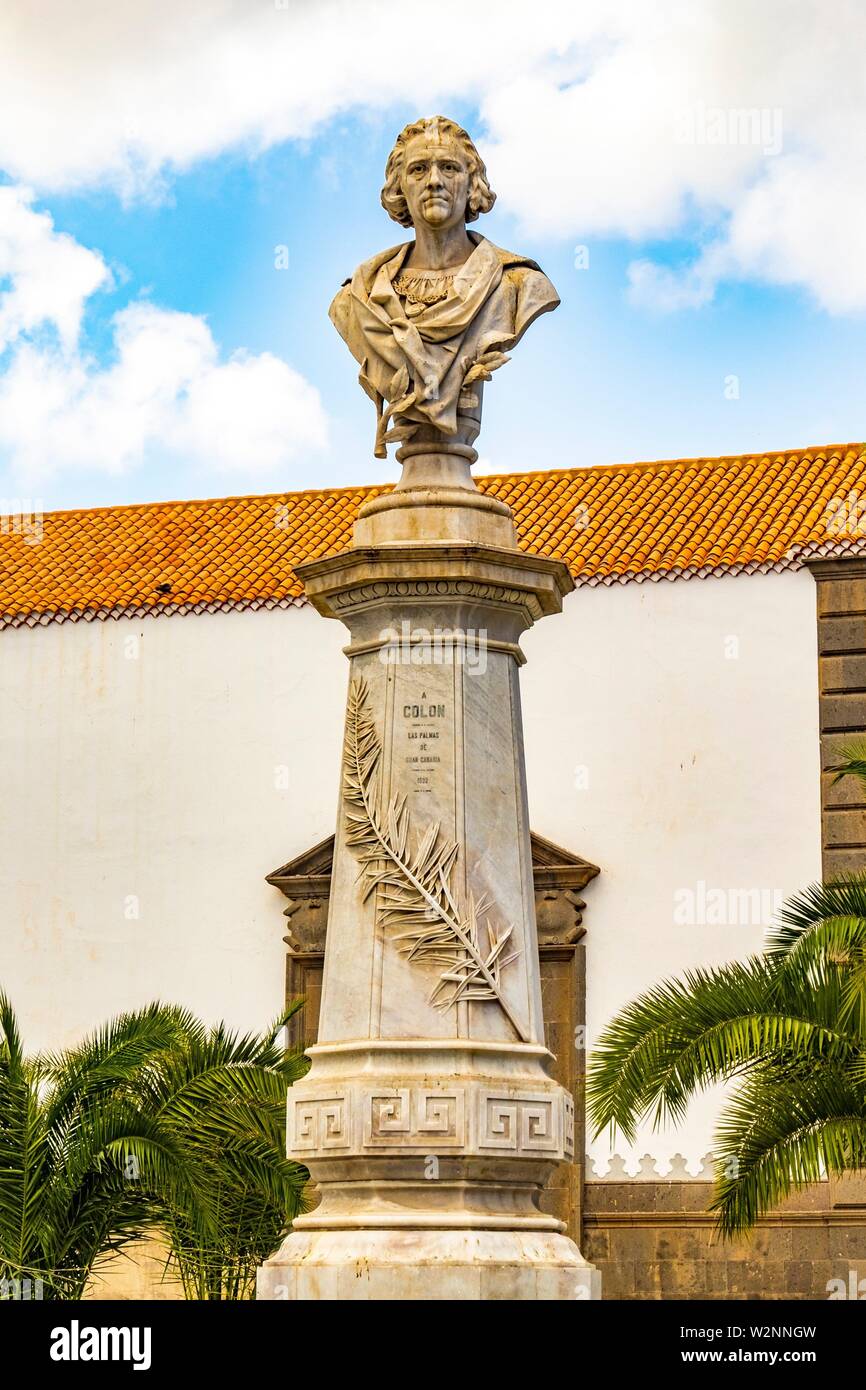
point(616, 374)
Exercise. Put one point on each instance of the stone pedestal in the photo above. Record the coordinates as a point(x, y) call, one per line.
point(429, 1118)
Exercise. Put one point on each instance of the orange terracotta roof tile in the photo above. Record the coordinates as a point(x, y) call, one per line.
point(665, 520)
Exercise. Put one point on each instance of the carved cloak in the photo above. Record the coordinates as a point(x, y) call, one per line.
point(423, 366)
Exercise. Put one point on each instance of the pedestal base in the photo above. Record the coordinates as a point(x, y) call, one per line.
point(428, 1265)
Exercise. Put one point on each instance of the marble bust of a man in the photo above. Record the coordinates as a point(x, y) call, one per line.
point(430, 319)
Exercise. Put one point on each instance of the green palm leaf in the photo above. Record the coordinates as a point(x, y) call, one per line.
point(682, 1037)
point(778, 1135)
point(788, 1028)
point(153, 1122)
point(853, 762)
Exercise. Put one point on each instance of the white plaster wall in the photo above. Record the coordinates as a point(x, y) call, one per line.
point(147, 760)
point(702, 760)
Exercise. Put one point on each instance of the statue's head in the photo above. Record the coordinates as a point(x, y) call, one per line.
point(435, 174)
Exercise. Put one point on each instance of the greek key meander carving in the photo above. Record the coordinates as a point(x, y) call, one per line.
point(321, 1124)
point(427, 1116)
point(467, 1118)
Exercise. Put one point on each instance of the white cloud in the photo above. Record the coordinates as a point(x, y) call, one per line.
point(49, 275)
point(654, 286)
point(732, 126)
point(803, 226)
point(165, 391)
point(120, 92)
point(599, 118)
point(251, 413)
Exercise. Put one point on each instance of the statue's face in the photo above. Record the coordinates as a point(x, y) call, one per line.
point(435, 181)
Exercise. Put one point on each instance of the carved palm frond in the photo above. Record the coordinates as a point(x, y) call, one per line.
point(414, 886)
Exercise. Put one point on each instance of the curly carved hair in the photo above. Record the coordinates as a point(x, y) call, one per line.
point(481, 196)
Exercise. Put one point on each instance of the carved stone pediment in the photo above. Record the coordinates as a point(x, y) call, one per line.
point(558, 875)
point(306, 882)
